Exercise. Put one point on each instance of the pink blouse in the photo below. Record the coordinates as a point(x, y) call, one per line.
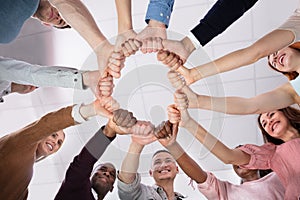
point(283, 159)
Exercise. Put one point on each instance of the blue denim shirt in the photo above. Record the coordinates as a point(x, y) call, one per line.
point(160, 10)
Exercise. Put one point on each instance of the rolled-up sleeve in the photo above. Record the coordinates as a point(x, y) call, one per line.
point(160, 10)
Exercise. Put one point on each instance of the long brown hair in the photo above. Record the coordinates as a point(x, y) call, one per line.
point(292, 114)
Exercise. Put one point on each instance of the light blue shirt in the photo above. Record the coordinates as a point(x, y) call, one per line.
point(160, 10)
point(41, 76)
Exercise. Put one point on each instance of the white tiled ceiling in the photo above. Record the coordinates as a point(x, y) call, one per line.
point(143, 88)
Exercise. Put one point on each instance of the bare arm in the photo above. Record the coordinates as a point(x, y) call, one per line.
point(130, 163)
point(167, 134)
point(265, 46)
point(225, 154)
point(124, 15)
point(78, 17)
point(280, 97)
point(187, 164)
point(142, 134)
point(221, 151)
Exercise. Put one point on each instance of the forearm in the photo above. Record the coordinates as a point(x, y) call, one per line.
point(124, 15)
point(226, 63)
point(282, 97)
point(87, 111)
point(187, 164)
point(229, 105)
point(219, 17)
point(221, 151)
point(89, 78)
point(99, 142)
point(79, 18)
point(268, 44)
point(130, 163)
point(41, 76)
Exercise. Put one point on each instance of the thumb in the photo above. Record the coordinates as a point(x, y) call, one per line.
point(175, 129)
point(162, 54)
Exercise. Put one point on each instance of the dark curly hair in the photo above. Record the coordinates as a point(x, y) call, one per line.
point(292, 114)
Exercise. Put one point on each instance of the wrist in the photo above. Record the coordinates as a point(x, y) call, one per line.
point(188, 45)
point(87, 77)
point(109, 132)
point(195, 75)
point(191, 125)
point(136, 147)
point(124, 26)
point(102, 46)
point(87, 111)
point(156, 24)
point(171, 146)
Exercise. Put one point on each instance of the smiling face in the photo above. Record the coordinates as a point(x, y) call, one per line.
point(103, 179)
point(51, 144)
point(163, 167)
point(275, 124)
point(49, 15)
point(285, 60)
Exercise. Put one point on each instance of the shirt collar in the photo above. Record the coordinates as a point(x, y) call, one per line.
point(159, 190)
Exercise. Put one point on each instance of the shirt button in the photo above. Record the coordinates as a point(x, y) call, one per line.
point(75, 79)
point(167, 17)
point(161, 14)
point(59, 70)
point(75, 72)
point(6, 92)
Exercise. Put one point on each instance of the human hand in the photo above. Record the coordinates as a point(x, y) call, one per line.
point(124, 118)
point(178, 82)
point(124, 46)
point(122, 38)
point(115, 64)
point(166, 133)
point(170, 59)
point(104, 52)
point(155, 29)
point(178, 116)
point(143, 133)
point(130, 47)
point(152, 44)
point(105, 106)
point(182, 48)
point(21, 88)
point(121, 122)
point(105, 86)
point(100, 87)
point(176, 79)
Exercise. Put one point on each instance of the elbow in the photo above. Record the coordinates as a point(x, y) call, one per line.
point(251, 106)
point(228, 161)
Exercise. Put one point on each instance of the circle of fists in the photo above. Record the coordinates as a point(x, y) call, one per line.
point(142, 132)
